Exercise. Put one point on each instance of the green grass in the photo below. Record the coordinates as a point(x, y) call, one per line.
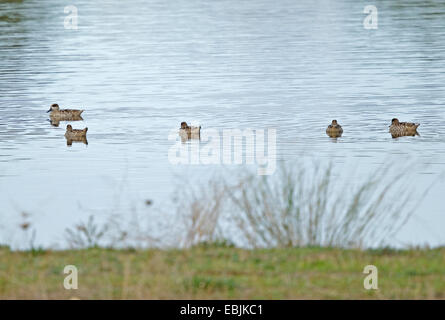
point(223, 272)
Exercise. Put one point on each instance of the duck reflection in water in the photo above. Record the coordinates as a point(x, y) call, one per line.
point(69, 141)
point(55, 120)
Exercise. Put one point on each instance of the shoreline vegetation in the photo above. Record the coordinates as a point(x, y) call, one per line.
point(303, 233)
point(298, 206)
point(221, 271)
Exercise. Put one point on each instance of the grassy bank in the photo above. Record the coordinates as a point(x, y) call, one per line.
point(218, 272)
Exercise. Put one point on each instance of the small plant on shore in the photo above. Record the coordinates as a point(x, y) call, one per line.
point(86, 235)
point(302, 206)
point(200, 216)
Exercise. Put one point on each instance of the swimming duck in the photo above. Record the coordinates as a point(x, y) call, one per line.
point(56, 112)
point(400, 129)
point(189, 132)
point(334, 130)
point(75, 133)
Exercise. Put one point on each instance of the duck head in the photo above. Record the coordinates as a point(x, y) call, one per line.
point(184, 125)
point(53, 107)
point(334, 122)
point(395, 122)
point(69, 128)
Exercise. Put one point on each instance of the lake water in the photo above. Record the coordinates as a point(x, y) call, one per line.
point(139, 68)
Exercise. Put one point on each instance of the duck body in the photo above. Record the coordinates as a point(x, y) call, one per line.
point(64, 114)
point(400, 129)
point(74, 134)
point(188, 132)
point(334, 130)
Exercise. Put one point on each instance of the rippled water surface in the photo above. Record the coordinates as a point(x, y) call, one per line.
point(139, 68)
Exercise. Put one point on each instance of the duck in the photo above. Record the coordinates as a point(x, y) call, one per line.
point(188, 132)
point(56, 112)
point(400, 129)
point(334, 130)
point(74, 134)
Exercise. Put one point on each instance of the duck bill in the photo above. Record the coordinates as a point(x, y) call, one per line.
point(48, 111)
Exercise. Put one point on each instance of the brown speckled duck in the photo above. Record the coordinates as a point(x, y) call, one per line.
point(400, 129)
point(56, 112)
point(188, 132)
point(334, 130)
point(75, 133)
